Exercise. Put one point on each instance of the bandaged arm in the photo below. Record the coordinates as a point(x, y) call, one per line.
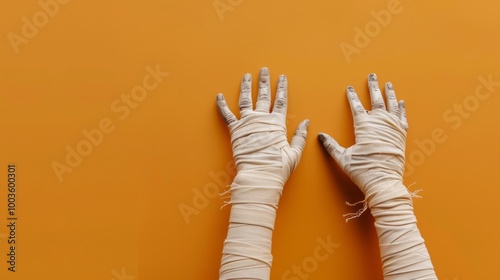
point(264, 161)
point(376, 164)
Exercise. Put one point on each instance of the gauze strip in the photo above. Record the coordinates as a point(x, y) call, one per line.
point(262, 157)
point(376, 166)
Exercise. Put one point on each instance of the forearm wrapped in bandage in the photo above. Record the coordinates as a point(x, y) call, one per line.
point(264, 160)
point(376, 164)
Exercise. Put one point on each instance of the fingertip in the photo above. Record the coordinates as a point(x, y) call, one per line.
point(324, 138)
point(321, 137)
point(389, 86)
point(299, 138)
point(219, 97)
point(247, 77)
point(306, 123)
point(372, 77)
point(302, 127)
point(331, 146)
point(282, 83)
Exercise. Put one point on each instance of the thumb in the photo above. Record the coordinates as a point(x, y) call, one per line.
point(299, 138)
point(332, 147)
point(294, 152)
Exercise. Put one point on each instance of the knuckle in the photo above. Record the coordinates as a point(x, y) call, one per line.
point(300, 133)
point(378, 104)
point(264, 94)
point(280, 103)
point(359, 110)
point(245, 90)
point(330, 148)
point(246, 86)
point(245, 103)
point(355, 98)
point(395, 109)
point(221, 103)
point(282, 85)
point(230, 118)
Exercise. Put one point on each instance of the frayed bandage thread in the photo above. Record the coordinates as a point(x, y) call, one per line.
point(376, 165)
point(264, 161)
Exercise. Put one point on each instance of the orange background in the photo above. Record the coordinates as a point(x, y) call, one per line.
point(117, 214)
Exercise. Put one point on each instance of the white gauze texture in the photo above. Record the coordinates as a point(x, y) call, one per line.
point(376, 165)
point(264, 161)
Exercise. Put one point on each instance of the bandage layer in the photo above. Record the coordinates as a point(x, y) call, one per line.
point(376, 165)
point(264, 162)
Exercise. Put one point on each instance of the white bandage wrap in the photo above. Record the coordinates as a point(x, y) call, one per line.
point(263, 160)
point(381, 137)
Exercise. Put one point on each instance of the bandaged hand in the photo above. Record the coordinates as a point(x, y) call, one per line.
point(259, 137)
point(375, 163)
point(264, 160)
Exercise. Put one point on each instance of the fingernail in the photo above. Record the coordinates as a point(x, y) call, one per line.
point(307, 124)
point(350, 89)
point(321, 138)
point(264, 71)
point(390, 86)
point(282, 82)
point(372, 77)
point(247, 77)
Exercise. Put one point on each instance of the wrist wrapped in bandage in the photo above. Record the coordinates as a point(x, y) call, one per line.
point(264, 161)
point(376, 165)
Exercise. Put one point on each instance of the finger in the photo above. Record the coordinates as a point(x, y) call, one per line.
point(375, 93)
point(402, 117)
point(245, 103)
point(357, 108)
point(264, 96)
point(392, 102)
point(331, 146)
point(281, 102)
point(228, 116)
point(299, 138)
